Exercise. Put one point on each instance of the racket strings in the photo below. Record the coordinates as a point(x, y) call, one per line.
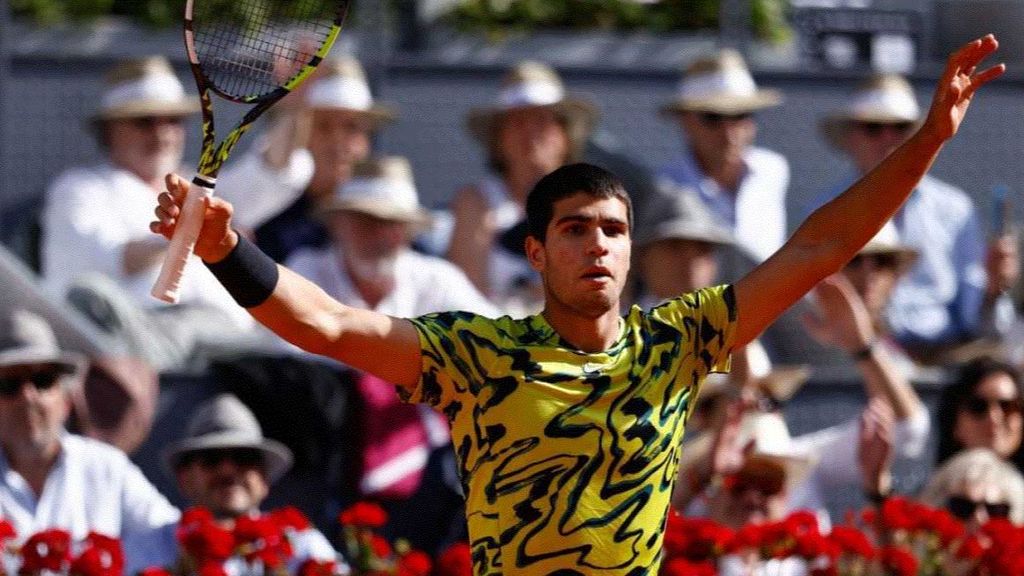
point(250, 48)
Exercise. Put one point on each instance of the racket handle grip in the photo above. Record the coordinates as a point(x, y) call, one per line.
point(190, 222)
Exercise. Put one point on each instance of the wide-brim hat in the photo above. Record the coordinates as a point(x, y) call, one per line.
point(887, 241)
point(27, 339)
point(678, 213)
point(880, 99)
point(143, 87)
point(383, 188)
point(768, 438)
point(720, 84)
point(780, 382)
point(224, 423)
point(340, 84)
point(530, 85)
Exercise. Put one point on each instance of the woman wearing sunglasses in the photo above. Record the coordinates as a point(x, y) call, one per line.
point(982, 408)
point(976, 486)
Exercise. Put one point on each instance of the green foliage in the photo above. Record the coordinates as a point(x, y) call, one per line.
point(157, 13)
point(499, 17)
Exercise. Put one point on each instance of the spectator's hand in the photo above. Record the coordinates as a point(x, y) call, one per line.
point(727, 456)
point(842, 319)
point(957, 86)
point(875, 445)
point(216, 238)
point(1002, 264)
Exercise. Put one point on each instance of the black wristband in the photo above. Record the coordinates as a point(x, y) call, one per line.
point(864, 353)
point(247, 273)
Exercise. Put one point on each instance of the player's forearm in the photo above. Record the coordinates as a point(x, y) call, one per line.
point(837, 230)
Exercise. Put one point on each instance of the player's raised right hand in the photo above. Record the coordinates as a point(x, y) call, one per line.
point(216, 238)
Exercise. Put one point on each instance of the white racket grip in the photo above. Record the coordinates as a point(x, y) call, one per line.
point(190, 222)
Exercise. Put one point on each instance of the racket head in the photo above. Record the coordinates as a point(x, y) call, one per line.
point(252, 51)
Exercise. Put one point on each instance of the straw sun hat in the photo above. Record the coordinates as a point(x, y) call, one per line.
point(27, 339)
point(720, 84)
point(383, 188)
point(340, 84)
point(143, 87)
point(528, 85)
point(881, 99)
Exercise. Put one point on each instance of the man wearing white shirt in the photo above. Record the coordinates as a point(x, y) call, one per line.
point(52, 479)
point(744, 185)
point(102, 258)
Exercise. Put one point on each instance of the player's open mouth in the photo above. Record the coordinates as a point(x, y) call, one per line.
point(597, 273)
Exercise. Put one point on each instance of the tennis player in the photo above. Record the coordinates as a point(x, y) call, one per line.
point(567, 424)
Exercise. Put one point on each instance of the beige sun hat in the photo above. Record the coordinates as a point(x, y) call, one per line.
point(26, 338)
point(381, 187)
point(720, 84)
point(768, 438)
point(780, 382)
point(881, 98)
point(887, 241)
point(143, 87)
point(340, 84)
point(531, 84)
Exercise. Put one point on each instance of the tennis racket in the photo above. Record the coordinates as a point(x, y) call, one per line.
point(247, 52)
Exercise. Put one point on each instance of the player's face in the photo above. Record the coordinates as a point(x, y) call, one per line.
point(718, 140)
point(585, 259)
point(991, 417)
point(676, 266)
point(229, 482)
point(533, 139)
point(149, 147)
point(33, 407)
point(338, 140)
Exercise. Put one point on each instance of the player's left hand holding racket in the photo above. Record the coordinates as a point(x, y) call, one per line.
point(249, 52)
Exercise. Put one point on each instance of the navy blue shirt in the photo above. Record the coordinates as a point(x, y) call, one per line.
point(293, 228)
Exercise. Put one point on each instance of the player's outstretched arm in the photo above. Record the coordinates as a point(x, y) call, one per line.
point(295, 308)
point(836, 231)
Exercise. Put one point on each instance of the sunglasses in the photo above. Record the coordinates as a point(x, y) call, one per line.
point(42, 380)
point(880, 261)
point(964, 508)
point(151, 122)
point(714, 119)
point(876, 129)
point(211, 458)
point(765, 477)
point(979, 407)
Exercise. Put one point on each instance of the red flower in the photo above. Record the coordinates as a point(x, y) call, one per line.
point(364, 515)
point(290, 517)
point(456, 560)
point(852, 541)
point(683, 567)
point(898, 513)
point(7, 531)
point(749, 536)
point(47, 550)
point(971, 549)
point(898, 561)
point(211, 568)
point(313, 567)
point(263, 540)
point(154, 571)
point(380, 547)
point(696, 539)
point(415, 563)
point(103, 556)
point(202, 539)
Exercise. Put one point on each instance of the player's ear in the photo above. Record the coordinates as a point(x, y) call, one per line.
point(535, 253)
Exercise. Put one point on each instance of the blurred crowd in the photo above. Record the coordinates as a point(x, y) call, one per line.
point(932, 289)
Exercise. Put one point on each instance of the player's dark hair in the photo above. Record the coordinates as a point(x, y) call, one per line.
point(954, 396)
point(565, 182)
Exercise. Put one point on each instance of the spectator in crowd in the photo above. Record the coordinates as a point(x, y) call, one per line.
point(956, 289)
point(977, 485)
point(742, 184)
point(224, 464)
point(371, 220)
point(678, 247)
point(102, 258)
point(533, 128)
point(52, 479)
point(982, 409)
point(311, 149)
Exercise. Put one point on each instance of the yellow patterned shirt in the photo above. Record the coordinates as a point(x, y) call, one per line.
point(568, 458)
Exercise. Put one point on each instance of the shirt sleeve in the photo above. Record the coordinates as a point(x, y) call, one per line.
point(707, 320)
point(148, 522)
point(450, 362)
